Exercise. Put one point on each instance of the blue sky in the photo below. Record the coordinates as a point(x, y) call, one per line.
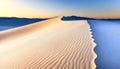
point(88, 8)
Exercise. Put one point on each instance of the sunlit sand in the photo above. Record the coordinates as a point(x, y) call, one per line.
point(50, 44)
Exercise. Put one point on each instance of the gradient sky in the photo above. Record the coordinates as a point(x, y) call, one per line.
point(50, 8)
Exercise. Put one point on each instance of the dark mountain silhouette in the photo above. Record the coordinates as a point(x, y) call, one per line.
point(68, 18)
point(12, 22)
point(6, 21)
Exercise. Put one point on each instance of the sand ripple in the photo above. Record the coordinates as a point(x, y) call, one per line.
point(51, 44)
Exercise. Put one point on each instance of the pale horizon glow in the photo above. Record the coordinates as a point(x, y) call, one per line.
point(15, 9)
point(51, 8)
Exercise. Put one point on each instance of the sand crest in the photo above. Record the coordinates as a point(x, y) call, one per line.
point(50, 44)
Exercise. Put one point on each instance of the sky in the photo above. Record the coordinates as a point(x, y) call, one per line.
point(51, 8)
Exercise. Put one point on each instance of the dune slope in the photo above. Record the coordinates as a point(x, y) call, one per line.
point(50, 44)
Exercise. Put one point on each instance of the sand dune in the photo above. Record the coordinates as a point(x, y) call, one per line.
point(50, 44)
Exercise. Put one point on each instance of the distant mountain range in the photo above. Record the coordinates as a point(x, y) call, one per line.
point(12, 22)
point(66, 18)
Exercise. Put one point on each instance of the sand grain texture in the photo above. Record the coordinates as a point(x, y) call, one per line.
point(51, 44)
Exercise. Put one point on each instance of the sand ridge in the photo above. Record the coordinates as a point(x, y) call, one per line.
point(7, 35)
point(51, 44)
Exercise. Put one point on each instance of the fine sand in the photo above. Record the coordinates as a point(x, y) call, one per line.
point(50, 44)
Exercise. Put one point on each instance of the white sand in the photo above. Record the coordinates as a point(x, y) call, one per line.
point(51, 44)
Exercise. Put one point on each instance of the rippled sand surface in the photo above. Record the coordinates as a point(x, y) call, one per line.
point(50, 44)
